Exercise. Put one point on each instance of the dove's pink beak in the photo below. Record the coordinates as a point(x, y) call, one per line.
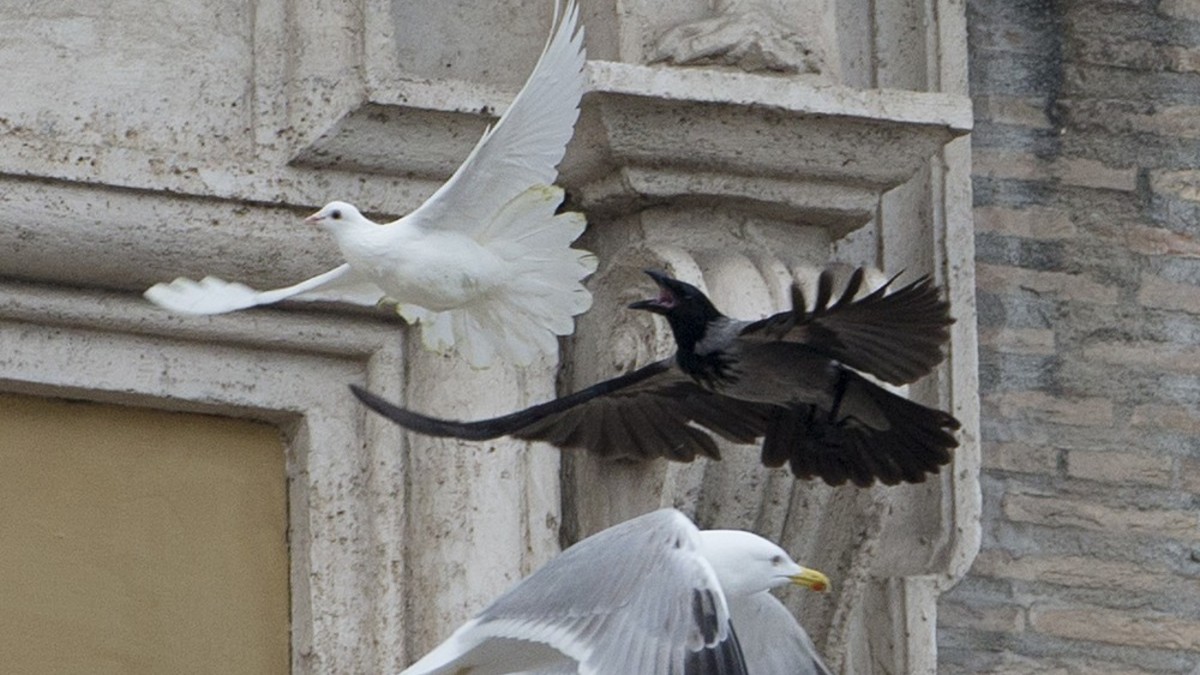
point(314, 219)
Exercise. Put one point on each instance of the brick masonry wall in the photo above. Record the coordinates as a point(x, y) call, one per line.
point(1087, 205)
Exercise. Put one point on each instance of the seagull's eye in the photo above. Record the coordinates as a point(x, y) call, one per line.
point(336, 215)
point(777, 560)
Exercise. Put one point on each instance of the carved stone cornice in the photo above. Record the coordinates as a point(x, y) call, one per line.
point(788, 147)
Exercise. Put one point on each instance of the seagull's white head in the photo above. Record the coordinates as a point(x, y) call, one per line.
point(337, 217)
point(746, 564)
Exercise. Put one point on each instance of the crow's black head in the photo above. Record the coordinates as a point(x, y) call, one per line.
point(687, 309)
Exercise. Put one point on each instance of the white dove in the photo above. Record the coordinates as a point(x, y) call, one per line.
point(485, 264)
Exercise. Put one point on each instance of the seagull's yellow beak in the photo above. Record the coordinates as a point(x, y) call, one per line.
point(811, 579)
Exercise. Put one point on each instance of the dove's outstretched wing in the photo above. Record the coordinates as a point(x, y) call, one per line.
point(211, 295)
point(525, 146)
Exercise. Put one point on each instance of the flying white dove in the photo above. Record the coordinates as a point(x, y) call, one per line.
point(485, 264)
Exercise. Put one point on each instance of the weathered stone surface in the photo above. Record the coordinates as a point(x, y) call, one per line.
point(998, 619)
point(1020, 457)
point(1178, 121)
point(1083, 571)
point(1086, 177)
point(1182, 183)
point(1038, 405)
point(1181, 9)
point(1019, 340)
point(1189, 480)
point(1065, 285)
point(1120, 467)
point(1156, 241)
point(1118, 627)
point(1032, 222)
point(1014, 110)
point(1158, 292)
point(1092, 515)
point(1173, 417)
point(1009, 664)
point(1076, 172)
point(1150, 355)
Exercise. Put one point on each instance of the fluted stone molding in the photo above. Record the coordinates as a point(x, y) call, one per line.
point(154, 157)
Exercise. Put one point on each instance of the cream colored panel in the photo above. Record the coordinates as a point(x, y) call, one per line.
point(139, 541)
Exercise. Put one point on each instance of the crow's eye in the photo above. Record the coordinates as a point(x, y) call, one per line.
point(336, 215)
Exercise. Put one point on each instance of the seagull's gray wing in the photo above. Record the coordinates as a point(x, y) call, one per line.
point(211, 295)
point(647, 413)
point(635, 598)
point(896, 336)
point(772, 640)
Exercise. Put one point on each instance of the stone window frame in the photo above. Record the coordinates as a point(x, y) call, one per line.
point(287, 369)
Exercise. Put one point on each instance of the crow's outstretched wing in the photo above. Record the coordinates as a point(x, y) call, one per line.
point(912, 441)
point(896, 336)
point(651, 412)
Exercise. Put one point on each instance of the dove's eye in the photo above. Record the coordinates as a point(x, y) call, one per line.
point(336, 215)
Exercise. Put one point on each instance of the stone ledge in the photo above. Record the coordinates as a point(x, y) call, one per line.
point(673, 127)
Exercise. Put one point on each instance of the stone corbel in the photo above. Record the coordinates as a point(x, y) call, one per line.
point(747, 266)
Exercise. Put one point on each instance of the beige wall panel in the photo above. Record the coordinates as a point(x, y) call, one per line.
point(140, 541)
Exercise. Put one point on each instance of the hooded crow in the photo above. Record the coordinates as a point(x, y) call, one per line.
point(793, 379)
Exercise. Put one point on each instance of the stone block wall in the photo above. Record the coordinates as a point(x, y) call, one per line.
point(1087, 206)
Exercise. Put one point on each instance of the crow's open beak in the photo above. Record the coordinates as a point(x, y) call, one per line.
point(666, 297)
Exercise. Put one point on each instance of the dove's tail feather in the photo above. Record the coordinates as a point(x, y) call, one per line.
point(211, 295)
point(521, 318)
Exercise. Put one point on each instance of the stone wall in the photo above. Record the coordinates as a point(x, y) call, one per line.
point(1087, 210)
point(740, 144)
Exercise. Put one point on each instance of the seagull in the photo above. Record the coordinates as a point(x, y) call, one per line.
point(653, 595)
point(484, 265)
point(793, 379)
